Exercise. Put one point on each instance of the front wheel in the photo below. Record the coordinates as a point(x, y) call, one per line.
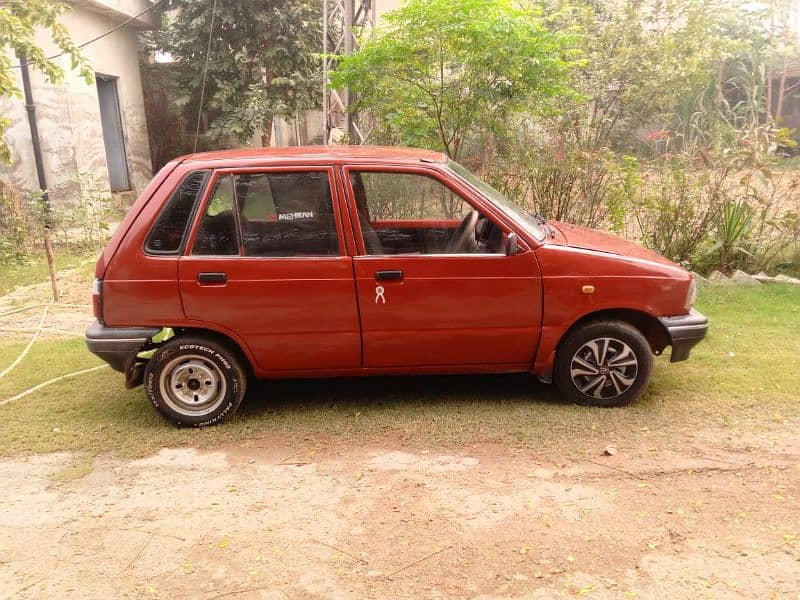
point(195, 381)
point(604, 363)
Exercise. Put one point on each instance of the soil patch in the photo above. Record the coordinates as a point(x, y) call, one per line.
point(274, 519)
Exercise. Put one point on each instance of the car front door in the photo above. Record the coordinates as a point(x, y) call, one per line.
point(429, 298)
point(267, 262)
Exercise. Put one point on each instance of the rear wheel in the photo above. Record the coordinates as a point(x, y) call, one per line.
point(195, 381)
point(604, 363)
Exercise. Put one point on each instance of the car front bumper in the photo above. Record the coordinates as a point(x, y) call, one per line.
point(685, 332)
point(118, 346)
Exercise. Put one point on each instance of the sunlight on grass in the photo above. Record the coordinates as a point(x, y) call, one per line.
point(35, 270)
point(744, 375)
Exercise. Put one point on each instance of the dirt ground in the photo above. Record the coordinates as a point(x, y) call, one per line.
point(716, 516)
point(70, 316)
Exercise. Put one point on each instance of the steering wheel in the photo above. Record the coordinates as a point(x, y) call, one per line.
point(464, 237)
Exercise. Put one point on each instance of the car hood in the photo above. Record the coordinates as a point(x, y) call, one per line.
point(599, 241)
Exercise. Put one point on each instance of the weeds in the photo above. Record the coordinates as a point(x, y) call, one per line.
point(586, 188)
point(731, 234)
point(17, 226)
point(78, 229)
point(85, 225)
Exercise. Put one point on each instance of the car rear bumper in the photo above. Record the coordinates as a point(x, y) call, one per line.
point(118, 346)
point(685, 332)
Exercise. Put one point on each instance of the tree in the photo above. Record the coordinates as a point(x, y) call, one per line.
point(784, 43)
point(263, 60)
point(642, 58)
point(19, 22)
point(440, 72)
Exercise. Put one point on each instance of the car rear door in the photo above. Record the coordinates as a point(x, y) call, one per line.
point(267, 261)
point(429, 306)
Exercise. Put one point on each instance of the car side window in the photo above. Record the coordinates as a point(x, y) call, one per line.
point(409, 213)
point(168, 232)
point(286, 214)
point(217, 233)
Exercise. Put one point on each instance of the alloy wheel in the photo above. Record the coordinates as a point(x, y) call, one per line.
point(604, 368)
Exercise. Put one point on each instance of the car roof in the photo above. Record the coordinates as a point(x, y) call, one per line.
point(337, 154)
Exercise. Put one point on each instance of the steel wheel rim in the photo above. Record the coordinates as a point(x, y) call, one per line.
point(604, 368)
point(192, 385)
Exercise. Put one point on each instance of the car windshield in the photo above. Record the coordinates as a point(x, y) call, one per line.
point(516, 212)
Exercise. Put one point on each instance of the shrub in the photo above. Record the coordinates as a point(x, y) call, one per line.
point(18, 230)
point(79, 227)
point(718, 216)
point(703, 211)
point(587, 188)
point(678, 207)
point(85, 224)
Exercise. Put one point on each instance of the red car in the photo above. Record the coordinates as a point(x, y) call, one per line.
point(321, 262)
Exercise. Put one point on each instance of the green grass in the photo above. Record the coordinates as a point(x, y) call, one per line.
point(787, 164)
point(34, 270)
point(744, 376)
point(78, 469)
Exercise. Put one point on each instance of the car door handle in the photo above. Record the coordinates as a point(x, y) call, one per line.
point(388, 275)
point(212, 278)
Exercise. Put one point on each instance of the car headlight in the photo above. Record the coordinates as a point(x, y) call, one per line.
point(691, 295)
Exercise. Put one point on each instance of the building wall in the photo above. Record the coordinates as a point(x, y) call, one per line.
point(383, 6)
point(68, 113)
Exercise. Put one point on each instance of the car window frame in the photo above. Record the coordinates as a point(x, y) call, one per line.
point(202, 213)
point(187, 229)
point(466, 193)
point(230, 171)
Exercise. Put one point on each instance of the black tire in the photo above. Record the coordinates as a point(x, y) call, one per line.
point(594, 364)
point(195, 381)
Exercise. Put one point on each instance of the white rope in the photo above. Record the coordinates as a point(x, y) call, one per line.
point(205, 73)
point(50, 304)
point(44, 330)
point(46, 383)
point(30, 343)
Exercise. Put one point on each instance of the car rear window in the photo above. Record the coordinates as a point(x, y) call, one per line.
point(277, 214)
point(287, 214)
point(169, 231)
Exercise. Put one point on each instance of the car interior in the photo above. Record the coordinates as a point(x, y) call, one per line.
point(291, 214)
point(275, 215)
point(473, 233)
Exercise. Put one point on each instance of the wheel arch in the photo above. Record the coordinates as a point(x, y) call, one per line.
point(231, 343)
point(648, 325)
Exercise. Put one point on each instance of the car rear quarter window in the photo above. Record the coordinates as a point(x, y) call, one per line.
point(169, 231)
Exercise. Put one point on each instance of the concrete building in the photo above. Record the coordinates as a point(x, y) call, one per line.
point(96, 129)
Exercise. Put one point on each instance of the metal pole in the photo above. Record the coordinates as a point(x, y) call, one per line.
point(349, 44)
point(30, 107)
point(325, 123)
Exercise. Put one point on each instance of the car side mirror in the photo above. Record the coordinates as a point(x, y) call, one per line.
point(512, 245)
